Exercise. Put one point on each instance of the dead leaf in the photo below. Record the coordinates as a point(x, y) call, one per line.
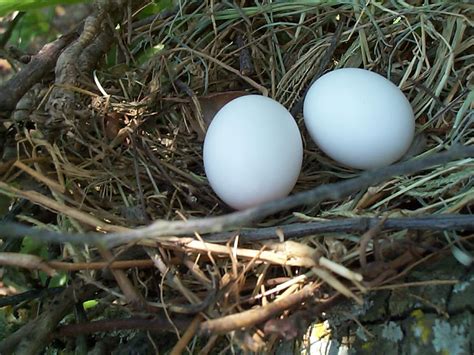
point(112, 124)
point(210, 105)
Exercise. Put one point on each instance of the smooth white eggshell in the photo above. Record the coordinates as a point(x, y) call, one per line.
point(252, 152)
point(359, 118)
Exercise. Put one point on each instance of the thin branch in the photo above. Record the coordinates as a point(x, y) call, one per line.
point(99, 265)
point(17, 230)
point(298, 230)
point(30, 295)
point(257, 315)
point(334, 192)
point(182, 343)
point(26, 261)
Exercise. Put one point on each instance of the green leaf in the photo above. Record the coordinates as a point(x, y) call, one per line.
point(89, 304)
point(155, 7)
point(7, 6)
point(58, 280)
point(34, 247)
point(148, 53)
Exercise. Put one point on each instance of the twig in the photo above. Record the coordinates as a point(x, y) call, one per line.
point(53, 185)
point(253, 83)
point(256, 315)
point(336, 284)
point(334, 192)
point(187, 336)
point(150, 20)
point(26, 261)
point(298, 230)
point(133, 297)
point(291, 231)
point(99, 265)
point(49, 203)
point(30, 295)
point(415, 284)
point(366, 238)
point(140, 196)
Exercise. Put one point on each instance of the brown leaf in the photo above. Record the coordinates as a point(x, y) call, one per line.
point(112, 123)
point(210, 105)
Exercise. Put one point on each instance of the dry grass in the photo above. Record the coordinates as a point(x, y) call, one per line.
point(135, 156)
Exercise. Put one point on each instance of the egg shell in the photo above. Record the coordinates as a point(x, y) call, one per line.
point(359, 118)
point(252, 152)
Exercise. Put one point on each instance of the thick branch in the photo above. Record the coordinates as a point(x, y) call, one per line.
point(41, 63)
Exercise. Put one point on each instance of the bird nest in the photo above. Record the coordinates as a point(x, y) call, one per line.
point(107, 169)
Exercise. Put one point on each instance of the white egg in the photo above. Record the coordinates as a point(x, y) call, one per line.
point(359, 118)
point(252, 152)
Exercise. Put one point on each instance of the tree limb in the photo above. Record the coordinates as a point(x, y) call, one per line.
point(41, 63)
